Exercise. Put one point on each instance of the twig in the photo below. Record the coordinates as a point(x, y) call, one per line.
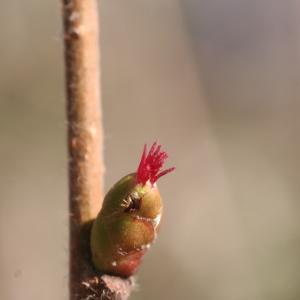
point(80, 19)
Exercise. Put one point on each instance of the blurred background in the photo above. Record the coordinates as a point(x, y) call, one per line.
point(217, 82)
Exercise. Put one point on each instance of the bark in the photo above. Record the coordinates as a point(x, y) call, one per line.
point(81, 35)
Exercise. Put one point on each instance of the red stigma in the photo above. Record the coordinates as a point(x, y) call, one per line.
point(151, 164)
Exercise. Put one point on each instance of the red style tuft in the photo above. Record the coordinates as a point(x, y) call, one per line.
point(151, 164)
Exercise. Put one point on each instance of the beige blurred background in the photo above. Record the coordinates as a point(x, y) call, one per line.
point(217, 82)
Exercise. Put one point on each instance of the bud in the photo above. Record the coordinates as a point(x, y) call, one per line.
point(130, 216)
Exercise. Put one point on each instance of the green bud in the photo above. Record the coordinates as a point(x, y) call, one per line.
point(129, 219)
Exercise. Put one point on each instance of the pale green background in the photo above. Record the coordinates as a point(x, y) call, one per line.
point(218, 83)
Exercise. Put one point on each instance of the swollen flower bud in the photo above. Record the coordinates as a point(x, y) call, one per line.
point(130, 216)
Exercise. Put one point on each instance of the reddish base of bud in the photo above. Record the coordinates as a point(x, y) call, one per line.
point(129, 265)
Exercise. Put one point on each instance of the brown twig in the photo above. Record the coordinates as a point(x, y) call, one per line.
point(85, 150)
